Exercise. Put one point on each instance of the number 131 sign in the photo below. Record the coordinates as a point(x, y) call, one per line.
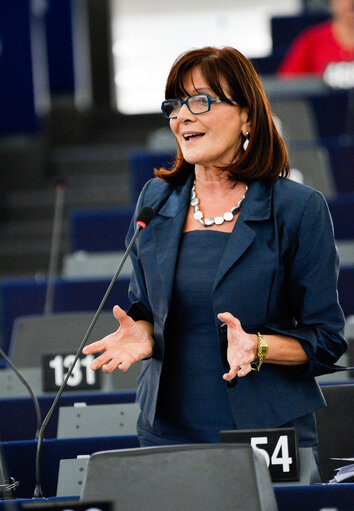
point(55, 368)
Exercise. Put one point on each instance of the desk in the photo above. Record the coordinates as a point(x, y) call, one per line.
point(306, 498)
point(20, 458)
point(14, 410)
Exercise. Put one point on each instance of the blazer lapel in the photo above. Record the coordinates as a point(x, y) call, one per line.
point(256, 207)
point(167, 234)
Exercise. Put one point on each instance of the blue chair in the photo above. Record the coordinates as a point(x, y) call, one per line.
point(99, 229)
point(341, 154)
point(20, 458)
point(23, 296)
point(284, 29)
point(268, 65)
point(13, 410)
point(332, 112)
point(59, 35)
point(18, 25)
point(342, 211)
point(142, 163)
point(346, 289)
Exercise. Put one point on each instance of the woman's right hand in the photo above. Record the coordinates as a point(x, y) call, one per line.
point(132, 341)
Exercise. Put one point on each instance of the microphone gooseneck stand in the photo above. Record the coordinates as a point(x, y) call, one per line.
point(55, 245)
point(143, 220)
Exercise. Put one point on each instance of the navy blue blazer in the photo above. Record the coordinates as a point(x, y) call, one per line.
point(278, 274)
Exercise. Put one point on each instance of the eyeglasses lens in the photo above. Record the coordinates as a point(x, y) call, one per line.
point(197, 104)
point(171, 107)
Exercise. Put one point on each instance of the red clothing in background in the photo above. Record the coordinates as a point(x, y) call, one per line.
point(313, 50)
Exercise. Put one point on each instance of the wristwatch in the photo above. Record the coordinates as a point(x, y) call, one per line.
point(262, 350)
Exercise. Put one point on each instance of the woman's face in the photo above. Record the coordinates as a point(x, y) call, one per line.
point(217, 133)
point(343, 9)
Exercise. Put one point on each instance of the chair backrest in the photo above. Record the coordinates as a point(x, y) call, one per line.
point(97, 420)
point(200, 477)
point(349, 334)
point(59, 333)
point(95, 265)
point(335, 425)
point(36, 335)
point(297, 119)
point(313, 162)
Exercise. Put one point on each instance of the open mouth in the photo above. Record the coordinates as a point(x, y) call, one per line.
point(192, 136)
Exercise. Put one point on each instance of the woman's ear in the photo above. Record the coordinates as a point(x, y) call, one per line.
point(246, 124)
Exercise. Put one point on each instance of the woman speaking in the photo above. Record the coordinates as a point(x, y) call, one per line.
point(235, 279)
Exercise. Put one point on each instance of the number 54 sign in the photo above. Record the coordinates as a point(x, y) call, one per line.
point(278, 446)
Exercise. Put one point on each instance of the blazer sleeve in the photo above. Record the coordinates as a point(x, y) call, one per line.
point(138, 296)
point(312, 290)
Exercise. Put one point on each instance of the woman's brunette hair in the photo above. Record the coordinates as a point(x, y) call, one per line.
point(266, 156)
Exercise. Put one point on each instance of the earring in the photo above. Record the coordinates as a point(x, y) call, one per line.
point(246, 142)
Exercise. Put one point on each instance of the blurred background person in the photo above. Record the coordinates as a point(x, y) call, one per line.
point(323, 45)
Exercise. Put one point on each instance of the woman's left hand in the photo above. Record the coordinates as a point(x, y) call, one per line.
point(241, 347)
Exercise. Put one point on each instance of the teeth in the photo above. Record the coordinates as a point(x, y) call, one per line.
point(190, 135)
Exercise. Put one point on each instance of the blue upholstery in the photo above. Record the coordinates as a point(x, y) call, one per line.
point(21, 296)
point(20, 458)
point(17, 102)
point(289, 498)
point(341, 154)
point(332, 112)
point(142, 163)
point(284, 29)
point(97, 230)
point(342, 211)
point(13, 410)
point(315, 497)
point(268, 65)
point(100, 229)
point(60, 47)
point(346, 289)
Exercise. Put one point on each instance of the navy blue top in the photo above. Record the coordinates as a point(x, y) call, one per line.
point(193, 401)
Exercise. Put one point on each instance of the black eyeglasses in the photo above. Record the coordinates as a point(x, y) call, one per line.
point(197, 104)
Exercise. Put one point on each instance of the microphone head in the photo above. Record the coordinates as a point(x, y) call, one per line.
point(144, 217)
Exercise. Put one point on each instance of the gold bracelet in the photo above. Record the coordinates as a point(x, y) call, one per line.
point(262, 350)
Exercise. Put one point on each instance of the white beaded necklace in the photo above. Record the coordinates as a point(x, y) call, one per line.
point(218, 220)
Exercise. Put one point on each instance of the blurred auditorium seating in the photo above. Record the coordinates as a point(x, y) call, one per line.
point(106, 159)
point(35, 335)
point(26, 296)
point(20, 458)
point(58, 333)
point(142, 163)
point(112, 419)
point(14, 409)
point(297, 119)
point(93, 265)
point(313, 163)
point(171, 477)
point(83, 224)
point(335, 425)
point(284, 29)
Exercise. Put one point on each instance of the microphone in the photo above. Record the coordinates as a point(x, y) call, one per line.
point(143, 219)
